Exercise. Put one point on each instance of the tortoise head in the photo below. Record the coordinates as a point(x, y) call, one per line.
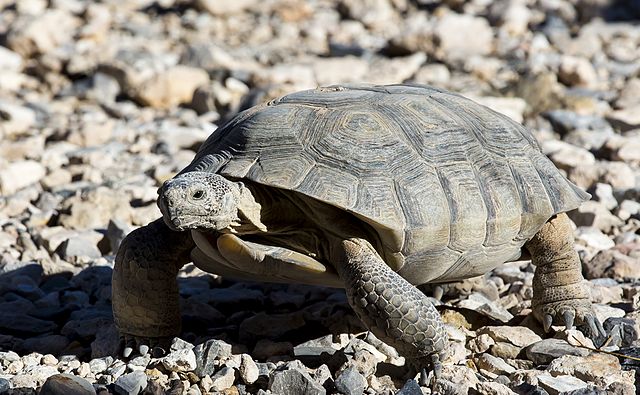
point(199, 200)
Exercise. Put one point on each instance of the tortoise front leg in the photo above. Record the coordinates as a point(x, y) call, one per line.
point(392, 308)
point(559, 294)
point(144, 286)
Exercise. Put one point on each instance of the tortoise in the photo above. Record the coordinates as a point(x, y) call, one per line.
point(376, 189)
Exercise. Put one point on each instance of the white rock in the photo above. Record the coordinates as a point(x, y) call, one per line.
point(248, 369)
point(560, 384)
point(15, 119)
point(183, 360)
point(9, 60)
point(223, 379)
point(454, 44)
point(565, 155)
point(594, 238)
point(18, 175)
point(43, 33)
point(517, 335)
point(577, 71)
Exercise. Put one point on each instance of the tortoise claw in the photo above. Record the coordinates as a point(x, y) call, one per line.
point(143, 349)
point(547, 321)
point(568, 317)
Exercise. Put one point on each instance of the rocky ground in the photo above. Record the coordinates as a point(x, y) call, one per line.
point(102, 101)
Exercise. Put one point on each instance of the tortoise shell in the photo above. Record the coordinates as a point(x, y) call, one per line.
point(452, 187)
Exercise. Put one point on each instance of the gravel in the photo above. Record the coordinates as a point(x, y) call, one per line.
point(100, 102)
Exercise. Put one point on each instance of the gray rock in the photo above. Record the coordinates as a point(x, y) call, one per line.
point(5, 386)
point(350, 382)
point(411, 387)
point(545, 351)
point(183, 360)
point(131, 383)
point(294, 382)
point(23, 324)
point(50, 344)
point(560, 384)
point(223, 379)
point(66, 384)
point(79, 247)
point(248, 369)
point(116, 232)
point(208, 353)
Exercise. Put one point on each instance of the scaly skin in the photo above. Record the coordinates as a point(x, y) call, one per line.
point(393, 309)
point(144, 287)
point(559, 294)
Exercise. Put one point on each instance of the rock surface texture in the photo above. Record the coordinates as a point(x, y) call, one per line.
point(100, 102)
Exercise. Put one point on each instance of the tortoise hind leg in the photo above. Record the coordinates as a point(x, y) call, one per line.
point(559, 294)
point(393, 309)
point(144, 286)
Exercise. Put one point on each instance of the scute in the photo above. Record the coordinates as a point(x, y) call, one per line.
point(451, 186)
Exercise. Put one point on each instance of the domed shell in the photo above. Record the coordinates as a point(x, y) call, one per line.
point(452, 187)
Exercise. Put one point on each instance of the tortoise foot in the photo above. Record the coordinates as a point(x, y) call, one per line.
point(566, 313)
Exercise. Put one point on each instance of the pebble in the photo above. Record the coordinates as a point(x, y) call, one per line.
point(560, 384)
point(66, 384)
point(248, 369)
point(223, 379)
point(294, 382)
point(350, 382)
point(183, 360)
point(546, 350)
point(131, 383)
point(209, 354)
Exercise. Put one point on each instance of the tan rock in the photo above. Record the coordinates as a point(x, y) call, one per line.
point(171, 87)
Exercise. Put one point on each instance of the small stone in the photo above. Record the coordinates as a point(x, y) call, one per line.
point(117, 230)
point(294, 382)
point(208, 353)
point(223, 379)
point(411, 387)
point(249, 371)
point(350, 382)
point(180, 361)
point(15, 119)
point(454, 46)
point(577, 71)
point(493, 364)
point(493, 388)
point(131, 384)
point(517, 335)
point(546, 350)
point(560, 384)
point(9, 60)
point(599, 368)
point(613, 264)
point(565, 155)
point(171, 87)
point(513, 107)
point(594, 238)
point(628, 209)
point(79, 247)
point(66, 384)
point(626, 118)
point(18, 175)
point(43, 33)
point(594, 214)
point(5, 386)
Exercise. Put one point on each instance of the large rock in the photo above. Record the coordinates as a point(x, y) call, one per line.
point(67, 384)
point(545, 351)
point(294, 382)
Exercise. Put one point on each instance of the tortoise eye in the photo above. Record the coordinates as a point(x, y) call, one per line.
point(199, 194)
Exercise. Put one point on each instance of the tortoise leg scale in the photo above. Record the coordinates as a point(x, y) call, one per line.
point(145, 289)
point(393, 309)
